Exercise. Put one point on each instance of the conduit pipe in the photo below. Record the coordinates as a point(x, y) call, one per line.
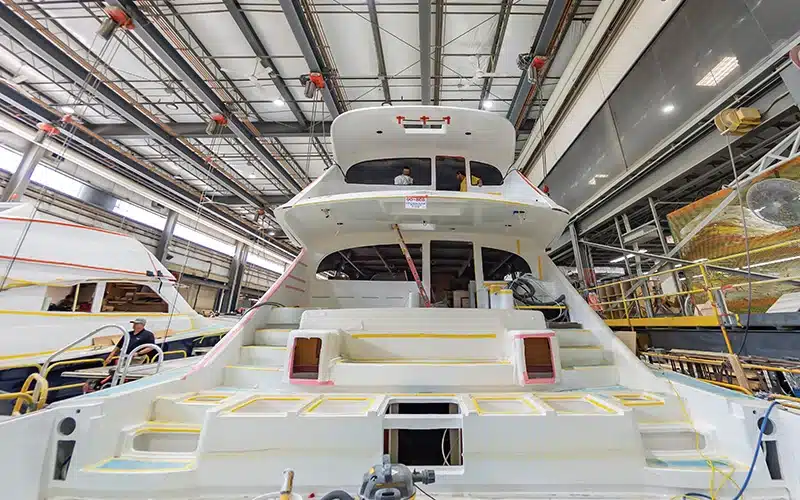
point(87, 163)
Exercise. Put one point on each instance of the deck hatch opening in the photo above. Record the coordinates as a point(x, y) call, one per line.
point(424, 447)
point(305, 358)
point(423, 408)
point(538, 358)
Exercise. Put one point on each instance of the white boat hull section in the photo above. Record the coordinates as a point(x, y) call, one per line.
point(41, 260)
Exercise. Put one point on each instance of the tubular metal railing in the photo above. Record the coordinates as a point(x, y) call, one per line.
point(120, 374)
point(635, 303)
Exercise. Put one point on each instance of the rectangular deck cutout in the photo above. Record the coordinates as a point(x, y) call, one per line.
point(424, 447)
point(538, 356)
point(423, 408)
point(305, 358)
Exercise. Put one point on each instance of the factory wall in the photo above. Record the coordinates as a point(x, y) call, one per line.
point(702, 51)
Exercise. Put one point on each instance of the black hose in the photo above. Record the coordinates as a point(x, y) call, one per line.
point(337, 495)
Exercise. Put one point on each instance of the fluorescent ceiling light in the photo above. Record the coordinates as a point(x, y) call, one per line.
point(668, 108)
point(761, 264)
point(278, 102)
point(487, 104)
point(629, 256)
point(718, 73)
point(271, 233)
point(67, 109)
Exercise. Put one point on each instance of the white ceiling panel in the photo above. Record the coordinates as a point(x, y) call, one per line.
point(400, 31)
point(350, 39)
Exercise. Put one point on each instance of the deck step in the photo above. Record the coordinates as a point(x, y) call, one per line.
point(253, 377)
point(263, 355)
point(580, 377)
point(585, 355)
point(277, 337)
point(569, 337)
point(189, 408)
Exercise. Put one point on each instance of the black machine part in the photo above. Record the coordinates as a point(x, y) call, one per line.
point(388, 481)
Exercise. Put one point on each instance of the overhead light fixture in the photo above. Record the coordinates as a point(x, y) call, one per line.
point(629, 256)
point(251, 175)
point(718, 73)
point(67, 109)
point(172, 106)
point(668, 108)
point(487, 104)
point(278, 102)
point(271, 232)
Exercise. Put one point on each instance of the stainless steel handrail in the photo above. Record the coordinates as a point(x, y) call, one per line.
point(119, 375)
point(44, 369)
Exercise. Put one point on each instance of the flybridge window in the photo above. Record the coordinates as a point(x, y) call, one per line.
point(447, 168)
point(384, 171)
point(499, 265)
point(372, 263)
point(488, 174)
point(132, 297)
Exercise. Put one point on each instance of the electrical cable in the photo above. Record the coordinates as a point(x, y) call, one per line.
point(424, 492)
point(761, 430)
point(746, 246)
point(445, 457)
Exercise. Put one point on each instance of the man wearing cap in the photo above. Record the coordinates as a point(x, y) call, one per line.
point(138, 336)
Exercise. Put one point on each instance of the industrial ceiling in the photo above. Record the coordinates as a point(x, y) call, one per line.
point(141, 100)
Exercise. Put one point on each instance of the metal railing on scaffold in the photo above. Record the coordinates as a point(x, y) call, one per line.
point(640, 310)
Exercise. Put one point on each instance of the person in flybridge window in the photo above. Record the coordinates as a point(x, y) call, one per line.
point(405, 178)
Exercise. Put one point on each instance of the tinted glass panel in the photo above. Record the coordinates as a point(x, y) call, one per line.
point(385, 170)
point(499, 265)
point(372, 263)
point(778, 19)
point(446, 169)
point(593, 160)
point(489, 174)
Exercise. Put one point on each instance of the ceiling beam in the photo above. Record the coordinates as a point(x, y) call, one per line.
point(313, 56)
point(240, 18)
point(129, 167)
point(425, 51)
point(233, 201)
point(497, 44)
point(553, 14)
point(376, 39)
point(37, 43)
point(152, 38)
point(198, 130)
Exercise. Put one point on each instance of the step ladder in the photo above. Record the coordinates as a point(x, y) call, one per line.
point(412, 267)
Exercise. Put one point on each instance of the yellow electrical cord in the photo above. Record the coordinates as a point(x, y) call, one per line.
point(727, 475)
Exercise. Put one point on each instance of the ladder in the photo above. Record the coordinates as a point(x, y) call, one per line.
point(412, 267)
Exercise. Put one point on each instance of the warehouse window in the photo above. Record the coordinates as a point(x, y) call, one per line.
point(132, 297)
point(384, 171)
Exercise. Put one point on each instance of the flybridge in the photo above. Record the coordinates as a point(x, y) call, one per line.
point(422, 131)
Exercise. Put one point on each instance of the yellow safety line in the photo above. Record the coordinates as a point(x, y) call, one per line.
point(167, 430)
point(84, 315)
point(324, 399)
point(423, 336)
point(675, 321)
point(268, 398)
point(95, 467)
point(420, 362)
point(256, 368)
point(520, 399)
point(205, 398)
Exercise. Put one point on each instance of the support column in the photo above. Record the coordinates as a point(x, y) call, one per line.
point(22, 177)
point(663, 239)
point(622, 245)
point(576, 250)
point(425, 50)
point(162, 250)
point(638, 260)
point(235, 275)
